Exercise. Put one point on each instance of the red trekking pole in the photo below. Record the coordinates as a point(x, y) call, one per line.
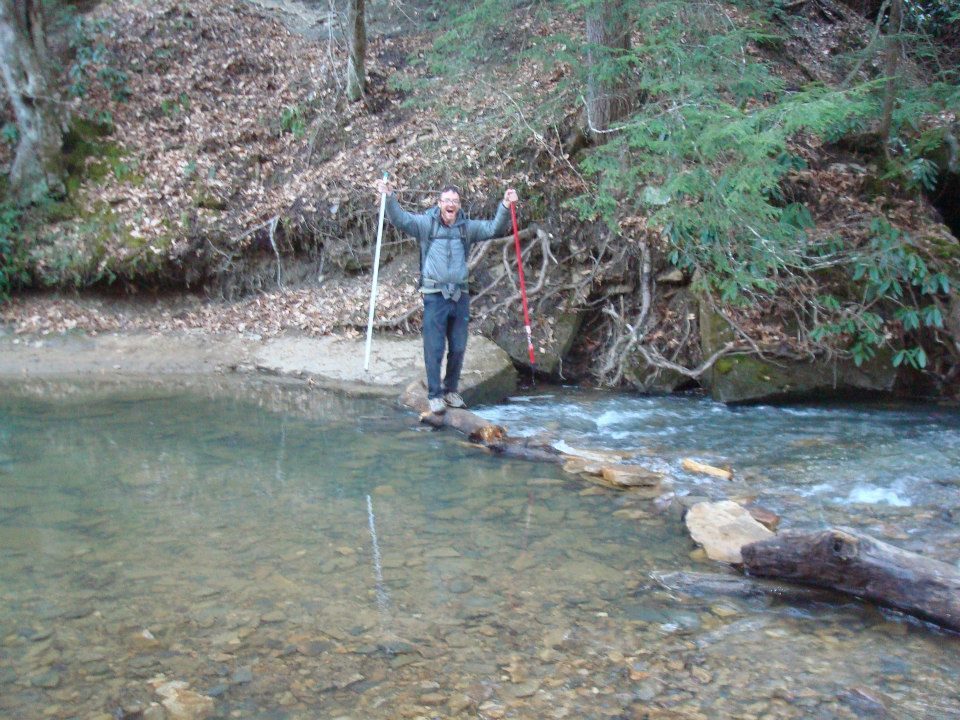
point(523, 285)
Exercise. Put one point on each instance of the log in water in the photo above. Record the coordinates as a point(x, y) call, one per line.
point(857, 564)
point(479, 431)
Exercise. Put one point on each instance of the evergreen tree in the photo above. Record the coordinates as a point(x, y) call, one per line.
point(608, 40)
point(706, 151)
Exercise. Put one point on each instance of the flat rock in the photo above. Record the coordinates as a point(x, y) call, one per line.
point(630, 476)
point(337, 363)
point(126, 354)
point(722, 528)
point(768, 518)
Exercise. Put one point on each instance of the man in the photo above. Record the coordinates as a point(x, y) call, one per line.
point(445, 235)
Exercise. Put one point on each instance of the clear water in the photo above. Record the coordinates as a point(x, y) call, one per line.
point(290, 554)
point(889, 469)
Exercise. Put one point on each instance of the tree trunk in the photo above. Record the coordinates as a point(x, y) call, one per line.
point(891, 66)
point(608, 34)
point(357, 36)
point(37, 165)
point(859, 565)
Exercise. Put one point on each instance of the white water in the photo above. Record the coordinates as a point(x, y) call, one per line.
point(841, 455)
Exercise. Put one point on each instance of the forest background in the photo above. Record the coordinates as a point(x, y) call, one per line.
point(757, 197)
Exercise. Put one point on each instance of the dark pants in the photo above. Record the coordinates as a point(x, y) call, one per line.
point(444, 324)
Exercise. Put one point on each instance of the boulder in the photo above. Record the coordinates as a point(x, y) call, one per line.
point(747, 378)
point(488, 375)
point(722, 528)
point(337, 364)
point(647, 378)
point(553, 336)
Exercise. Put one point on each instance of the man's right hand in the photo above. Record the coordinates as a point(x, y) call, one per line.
point(384, 187)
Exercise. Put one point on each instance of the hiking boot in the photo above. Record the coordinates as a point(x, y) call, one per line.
point(454, 400)
point(437, 406)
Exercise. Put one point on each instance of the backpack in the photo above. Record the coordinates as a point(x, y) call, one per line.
point(425, 247)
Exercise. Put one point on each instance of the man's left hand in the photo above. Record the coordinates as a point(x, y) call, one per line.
point(510, 196)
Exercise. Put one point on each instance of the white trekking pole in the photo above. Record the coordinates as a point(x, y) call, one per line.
point(376, 271)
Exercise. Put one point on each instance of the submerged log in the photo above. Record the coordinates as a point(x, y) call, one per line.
point(700, 584)
point(857, 564)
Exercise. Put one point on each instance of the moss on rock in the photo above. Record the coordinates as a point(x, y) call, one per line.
point(747, 378)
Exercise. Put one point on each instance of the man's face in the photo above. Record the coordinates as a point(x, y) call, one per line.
point(449, 206)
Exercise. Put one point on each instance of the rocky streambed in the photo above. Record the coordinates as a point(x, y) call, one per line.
point(217, 550)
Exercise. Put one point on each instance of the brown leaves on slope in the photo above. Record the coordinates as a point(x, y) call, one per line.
point(340, 308)
point(233, 120)
point(209, 82)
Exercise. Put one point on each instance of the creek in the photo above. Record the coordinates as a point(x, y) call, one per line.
point(293, 554)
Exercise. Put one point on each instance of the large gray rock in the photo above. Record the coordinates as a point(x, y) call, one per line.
point(646, 378)
point(337, 363)
point(488, 376)
point(748, 378)
point(553, 335)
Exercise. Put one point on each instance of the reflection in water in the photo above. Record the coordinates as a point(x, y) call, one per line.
point(383, 599)
point(224, 536)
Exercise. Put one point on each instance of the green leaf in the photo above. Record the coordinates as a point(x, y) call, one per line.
point(932, 316)
point(909, 317)
point(920, 359)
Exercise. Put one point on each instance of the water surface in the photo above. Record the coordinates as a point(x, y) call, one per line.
point(291, 554)
point(888, 468)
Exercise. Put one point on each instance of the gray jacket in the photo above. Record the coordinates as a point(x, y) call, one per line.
point(444, 268)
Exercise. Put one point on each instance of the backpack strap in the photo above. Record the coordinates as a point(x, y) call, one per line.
point(466, 243)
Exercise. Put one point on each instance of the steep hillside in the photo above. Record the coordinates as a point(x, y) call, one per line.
point(234, 168)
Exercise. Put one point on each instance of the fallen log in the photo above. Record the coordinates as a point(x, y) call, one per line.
point(857, 564)
point(602, 467)
point(480, 432)
point(492, 437)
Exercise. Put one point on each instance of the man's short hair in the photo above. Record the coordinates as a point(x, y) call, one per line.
point(449, 188)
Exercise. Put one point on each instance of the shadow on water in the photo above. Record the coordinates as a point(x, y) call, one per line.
point(292, 554)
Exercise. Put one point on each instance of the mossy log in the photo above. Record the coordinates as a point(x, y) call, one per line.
point(857, 564)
